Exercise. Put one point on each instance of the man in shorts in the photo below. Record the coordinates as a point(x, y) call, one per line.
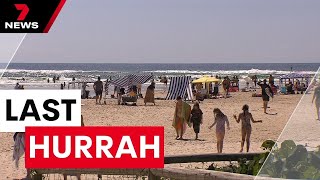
point(265, 97)
point(98, 88)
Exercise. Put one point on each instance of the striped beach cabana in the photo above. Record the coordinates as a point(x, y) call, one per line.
point(292, 76)
point(180, 86)
point(132, 79)
point(295, 76)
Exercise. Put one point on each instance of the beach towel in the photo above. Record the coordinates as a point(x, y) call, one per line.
point(181, 123)
point(19, 148)
point(186, 111)
point(149, 97)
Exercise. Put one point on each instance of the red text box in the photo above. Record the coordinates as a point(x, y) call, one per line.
point(94, 147)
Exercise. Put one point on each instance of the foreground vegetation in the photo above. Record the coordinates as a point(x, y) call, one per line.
point(289, 161)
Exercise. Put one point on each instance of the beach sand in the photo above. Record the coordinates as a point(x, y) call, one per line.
point(162, 114)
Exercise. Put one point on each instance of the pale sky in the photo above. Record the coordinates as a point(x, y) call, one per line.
point(8, 45)
point(178, 31)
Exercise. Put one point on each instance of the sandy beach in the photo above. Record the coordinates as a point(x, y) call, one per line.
point(161, 114)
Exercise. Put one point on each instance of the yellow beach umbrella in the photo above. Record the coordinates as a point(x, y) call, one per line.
point(206, 79)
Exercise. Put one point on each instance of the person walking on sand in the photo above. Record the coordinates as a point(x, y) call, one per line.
point(271, 80)
point(255, 79)
point(266, 92)
point(181, 117)
point(226, 85)
point(196, 118)
point(316, 99)
point(220, 120)
point(149, 97)
point(245, 117)
point(216, 89)
point(98, 88)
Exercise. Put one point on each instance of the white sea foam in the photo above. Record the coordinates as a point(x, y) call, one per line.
point(228, 72)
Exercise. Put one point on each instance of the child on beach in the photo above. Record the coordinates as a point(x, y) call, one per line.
point(220, 120)
point(196, 118)
point(245, 118)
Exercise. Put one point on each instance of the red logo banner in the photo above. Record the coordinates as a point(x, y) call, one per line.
point(94, 147)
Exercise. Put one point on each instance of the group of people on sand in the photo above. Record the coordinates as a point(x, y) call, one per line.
point(185, 116)
point(133, 91)
point(226, 86)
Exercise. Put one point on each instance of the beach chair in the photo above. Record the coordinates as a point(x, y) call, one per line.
point(130, 99)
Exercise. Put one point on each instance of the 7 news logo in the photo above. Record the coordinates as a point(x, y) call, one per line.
point(28, 16)
point(20, 23)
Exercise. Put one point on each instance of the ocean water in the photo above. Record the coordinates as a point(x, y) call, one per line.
point(105, 70)
point(38, 73)
point(35, 75)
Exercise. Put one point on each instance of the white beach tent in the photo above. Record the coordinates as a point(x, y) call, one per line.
point(180, 86)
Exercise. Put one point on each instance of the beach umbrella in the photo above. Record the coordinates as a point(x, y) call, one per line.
point(206, 79)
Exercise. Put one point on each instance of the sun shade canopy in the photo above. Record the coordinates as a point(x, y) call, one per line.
point(295, 75)
point(131, 79)
point(206, 79)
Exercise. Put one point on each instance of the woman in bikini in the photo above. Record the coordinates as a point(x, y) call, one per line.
point(220, 120)
point(245, 117)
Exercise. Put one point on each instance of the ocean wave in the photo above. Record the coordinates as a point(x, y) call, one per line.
point(196, 72)
point(228, 72)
